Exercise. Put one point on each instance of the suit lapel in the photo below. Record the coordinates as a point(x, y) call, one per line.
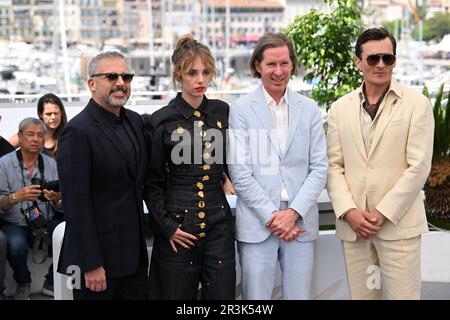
point(391, 105)
point(259, 105)
point(295, 111)
point(355, 123)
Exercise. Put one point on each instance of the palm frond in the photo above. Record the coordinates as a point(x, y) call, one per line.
point(447, 126)
point(441, 145)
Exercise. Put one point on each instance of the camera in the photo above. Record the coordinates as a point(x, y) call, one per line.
point(45, 184)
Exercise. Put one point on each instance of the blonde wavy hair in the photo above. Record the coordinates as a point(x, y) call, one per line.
point(184, 55)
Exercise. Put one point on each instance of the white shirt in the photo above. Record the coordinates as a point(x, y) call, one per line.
point(280, 116)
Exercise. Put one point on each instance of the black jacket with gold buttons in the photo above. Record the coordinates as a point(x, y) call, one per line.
point(187, 149)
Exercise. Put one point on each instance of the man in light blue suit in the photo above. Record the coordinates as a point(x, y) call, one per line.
point(278, 164)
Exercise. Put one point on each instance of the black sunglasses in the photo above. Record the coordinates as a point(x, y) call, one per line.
point(113, 76)
point(374, 59)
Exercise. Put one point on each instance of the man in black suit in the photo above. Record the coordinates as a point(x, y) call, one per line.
point(102, 157)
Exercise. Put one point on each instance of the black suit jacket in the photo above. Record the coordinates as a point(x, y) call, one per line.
point(102, 195)
point(5, 147)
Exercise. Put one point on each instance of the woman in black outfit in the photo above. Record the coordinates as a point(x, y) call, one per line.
point(194, 232)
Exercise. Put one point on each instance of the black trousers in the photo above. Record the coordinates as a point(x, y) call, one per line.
point(131, 287)
point(211, 262)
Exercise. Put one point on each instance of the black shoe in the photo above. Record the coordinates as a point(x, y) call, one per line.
point(47, 289)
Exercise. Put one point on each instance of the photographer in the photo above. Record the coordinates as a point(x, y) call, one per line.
point(27, 207)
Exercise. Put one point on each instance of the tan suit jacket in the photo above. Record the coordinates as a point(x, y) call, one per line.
point(391, 175)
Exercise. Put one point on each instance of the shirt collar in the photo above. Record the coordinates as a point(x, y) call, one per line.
point(187, 110)
point(271, 101)
point(110, 117)
point(394, 87)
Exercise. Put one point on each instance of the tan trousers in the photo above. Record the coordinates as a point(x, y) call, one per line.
point(377, 267)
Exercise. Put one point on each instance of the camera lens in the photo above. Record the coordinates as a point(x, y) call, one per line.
point(37, 181)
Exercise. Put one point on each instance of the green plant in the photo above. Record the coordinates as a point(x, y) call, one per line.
point(441, 113)
point(437, 187)
point(434, 28)
point(324, 44)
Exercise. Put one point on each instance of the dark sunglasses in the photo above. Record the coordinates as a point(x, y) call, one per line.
point(374, 59)
point(113, 76)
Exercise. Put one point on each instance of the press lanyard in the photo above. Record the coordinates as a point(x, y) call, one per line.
point(22, 168)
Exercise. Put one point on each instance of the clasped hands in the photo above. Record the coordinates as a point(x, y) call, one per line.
point(282, 224)
point(365, 224)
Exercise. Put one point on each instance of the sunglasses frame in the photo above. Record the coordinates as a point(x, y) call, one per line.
point(381, 57)
point(113, 76)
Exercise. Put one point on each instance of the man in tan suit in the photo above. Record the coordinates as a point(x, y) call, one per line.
point(380, 140)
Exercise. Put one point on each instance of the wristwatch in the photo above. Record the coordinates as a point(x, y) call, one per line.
point(12, 198)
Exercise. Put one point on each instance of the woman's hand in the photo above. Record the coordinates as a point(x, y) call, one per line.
point(182, 238)
point(228, 188)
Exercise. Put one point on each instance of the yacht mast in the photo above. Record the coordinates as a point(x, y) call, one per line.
point(62, 28)
point(227, 37)
point(150, 36)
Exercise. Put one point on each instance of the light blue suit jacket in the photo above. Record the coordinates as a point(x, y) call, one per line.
point(258, 168)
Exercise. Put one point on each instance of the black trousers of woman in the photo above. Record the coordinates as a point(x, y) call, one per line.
point(211, 262)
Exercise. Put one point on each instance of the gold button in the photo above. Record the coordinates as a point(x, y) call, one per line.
point(219, 124)
point(202, 225)
point(200, 185)
point(202, 235)
point(201, 204)
point(202, 133)
point(200, 123)
point(180, 130)
point(197, 114)
point(223, 206)
point(201, 194)
point(206, 155)
point(205, 178)
point(207, 144)
point(201, 214)
point(206, 167)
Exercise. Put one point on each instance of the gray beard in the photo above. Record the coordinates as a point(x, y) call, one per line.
point(111, 102)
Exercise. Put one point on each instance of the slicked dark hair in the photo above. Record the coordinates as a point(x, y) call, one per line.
point(379, 33)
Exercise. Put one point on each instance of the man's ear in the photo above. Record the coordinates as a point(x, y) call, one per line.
point(91, 84)
point(258, 66)
point(358, 62)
